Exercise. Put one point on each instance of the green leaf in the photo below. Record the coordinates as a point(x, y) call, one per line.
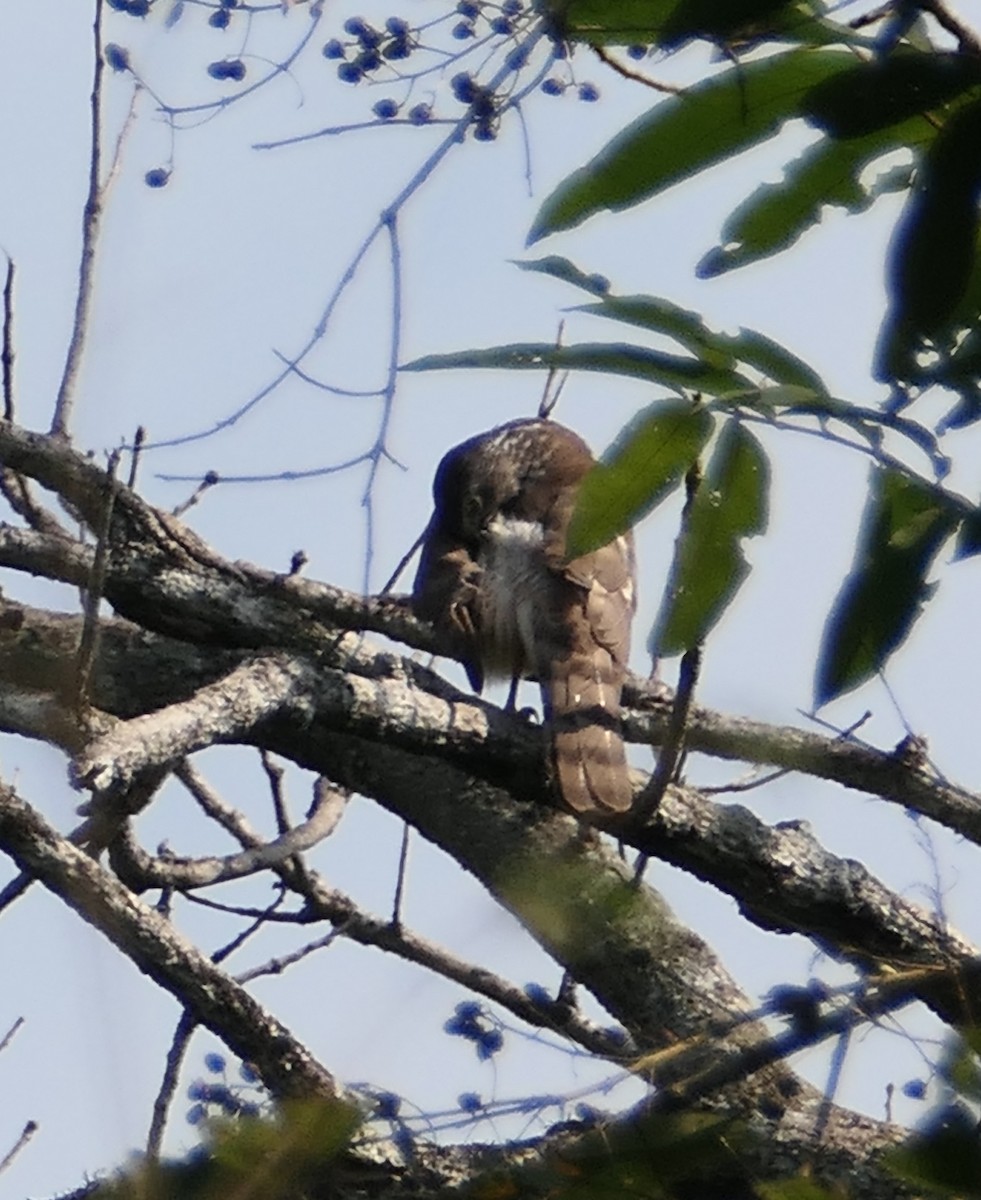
point(884, 91)
point(684, 326)
point(626, 23)
point(561, 268)
point(826, 174)
point(724, 350)
point(945, 1156)
point(670, 22)
point(932, 258)
point(642, 467)
point(613, 358)
point(688, 133)
point(729, 504)
point(906, 522)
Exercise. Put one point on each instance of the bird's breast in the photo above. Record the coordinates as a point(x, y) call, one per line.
point(516, 593)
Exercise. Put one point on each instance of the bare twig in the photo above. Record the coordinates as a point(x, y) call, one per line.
point(671, 755)
point(967, 39)
point(168, 1084)
point(27, 1133)
point(7, 353)
point(605, 57)
point(91, 220)
point(134, 465)
point(402, 564)
point(8, 1037)
point(151, 942)
point(400, 877)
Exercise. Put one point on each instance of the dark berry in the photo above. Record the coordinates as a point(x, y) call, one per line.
point(386, 109)
point(516, 58)
point(616, 1035)
point(116, 57)
point(419, 114)
point(197, 1090)
point(138, 8)
point(228, 3)
point(468, 1010)
point(397, 48)
point(511, 8)
point(636, 51)
point(215, 1063)
point(484, 131)
point(349, 72)
point(219, 18)
point(248, 1073)
point(370, 38)
point(196, 1114)
point(333, 49)
point(388, 1105)
point(588, 92)
point(157, 178)
point(119, 5)
point(467, 8)
point(397, 27)
point(462, 31)
point(501, 25)
point(355, 26)
point(914, 1089)
point(369, 60)
point(470, 1102)
point(464, 89)
point(227, 69)
point(483, 105)
point(553, 86)
point(598, 284)
point(492, 1039)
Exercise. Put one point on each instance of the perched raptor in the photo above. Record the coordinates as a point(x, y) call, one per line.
point(496, 583)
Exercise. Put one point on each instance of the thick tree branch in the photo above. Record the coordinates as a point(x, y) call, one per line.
point(152, 943)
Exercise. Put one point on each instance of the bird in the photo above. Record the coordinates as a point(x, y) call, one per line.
point(504, 598)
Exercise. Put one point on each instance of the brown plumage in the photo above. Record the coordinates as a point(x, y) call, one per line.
point(495, 582)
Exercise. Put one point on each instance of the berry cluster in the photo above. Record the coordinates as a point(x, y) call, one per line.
point(471, 1022)
point(222, 1098)
point(553, 86)
point(482, 103)
point(371, 48)
point(500, 18)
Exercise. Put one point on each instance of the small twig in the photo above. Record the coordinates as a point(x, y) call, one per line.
point(274, 773)
point(29, 1130)
point(88, 643)
point(967, 39)
point(7, 353)
point(402, 564)
point(91, 221)
point(671, 757)
point(138, 439)
point(400, 879)
point(180, 1042)
point(8, 1037)
point(168, 1084)
point(276, 966)
point(207, 482)
point(605, 57)
point(549, 399)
